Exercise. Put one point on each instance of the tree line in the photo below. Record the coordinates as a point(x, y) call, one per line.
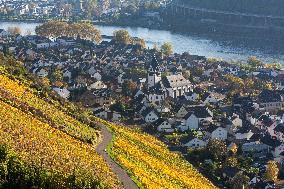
point(55, 29)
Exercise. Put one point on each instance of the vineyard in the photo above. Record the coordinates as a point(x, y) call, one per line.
point(48, 138)
point(49, 143)
point(150, 163)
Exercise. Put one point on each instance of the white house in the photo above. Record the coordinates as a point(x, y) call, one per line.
point(181, 112)
point(195, 143)
point(212, 98)
point(42, 73)
point(150, 115)
point(155, 97)
point(97, 76)
point(244, 135)
point(3, 33)
point(63, 92)
point(220, 134)
point(196, 115)
point(97, 85)
point(237, 122)
point(278, 150)
point(67, 74)
point(191, 96)
point(163, 125)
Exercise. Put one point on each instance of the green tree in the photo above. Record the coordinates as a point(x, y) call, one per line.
point(272, 171)
point(167, 48)
point(122, 36)
point(239, 181)
point(217, 149)
point(254, 63)
point(56, 75)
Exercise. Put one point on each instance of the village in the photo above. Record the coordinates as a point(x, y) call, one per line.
point(192, 103)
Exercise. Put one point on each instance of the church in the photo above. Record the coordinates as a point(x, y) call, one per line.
point(173, 86)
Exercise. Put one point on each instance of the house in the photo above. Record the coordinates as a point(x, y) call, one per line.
point(279, 132)
point(67, 74)
point(220, 134)
point(212, 97)
point(4, 33)
point(270, 100)
point(150, 115)
point(97, 85)
point(103, 97)
point(97, 76)
point(172, 86)
point(191, 96)
point(255, 149)
point(278, 150)
point(63, 92)
point(195, 143)
point(42, 72)
point(181, 111)
point(196, 115)
point(163, 125)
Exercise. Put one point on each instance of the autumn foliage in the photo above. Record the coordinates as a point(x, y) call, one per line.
point(150, 163)
point(48, 138)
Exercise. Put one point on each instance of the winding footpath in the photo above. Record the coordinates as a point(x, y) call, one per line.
point(121, 173)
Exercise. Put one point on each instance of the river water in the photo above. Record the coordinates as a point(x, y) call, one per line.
point(221, 47)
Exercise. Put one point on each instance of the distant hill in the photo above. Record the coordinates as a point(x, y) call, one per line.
point(262, 7)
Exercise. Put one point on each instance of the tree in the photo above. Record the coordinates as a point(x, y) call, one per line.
point(254, 63)
point(14, 30)
point(272, 171)
point(129, 87)
point(217, 149)
point(56, 75)
point(167, 48)
point(186, 74)
point(55, 29)
point(231, 162)
point(122, 36)
point(234, 148)
point(239, 181)
point(140, 42)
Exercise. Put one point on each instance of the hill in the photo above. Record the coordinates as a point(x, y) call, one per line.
point(48, 142)
point(150, 163)
point(261, 7)
point(45, 142)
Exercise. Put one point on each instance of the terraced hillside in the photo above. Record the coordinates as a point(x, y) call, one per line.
point(47, 142)
point(150, 163)
point(52, 147)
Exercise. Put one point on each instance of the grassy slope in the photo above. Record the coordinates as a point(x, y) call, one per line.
point(46, 134)
point(150, 163)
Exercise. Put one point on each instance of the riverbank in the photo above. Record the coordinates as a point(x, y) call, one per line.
point(227, 48)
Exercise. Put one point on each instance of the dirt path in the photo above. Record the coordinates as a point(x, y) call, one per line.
point(121, 173)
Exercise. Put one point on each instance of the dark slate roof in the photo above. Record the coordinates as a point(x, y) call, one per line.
point(270, 141)
point(198, 111)
point(279, 128)
point(147, 111)
point(230, 171)
point(154, 63)
point(269, 96)
point(159, 122)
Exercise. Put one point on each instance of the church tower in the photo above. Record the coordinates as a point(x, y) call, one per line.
point(154, 75)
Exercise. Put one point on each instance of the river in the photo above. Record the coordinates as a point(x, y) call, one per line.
point(221, 47)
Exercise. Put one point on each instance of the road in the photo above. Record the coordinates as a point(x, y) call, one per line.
point(121, 173)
